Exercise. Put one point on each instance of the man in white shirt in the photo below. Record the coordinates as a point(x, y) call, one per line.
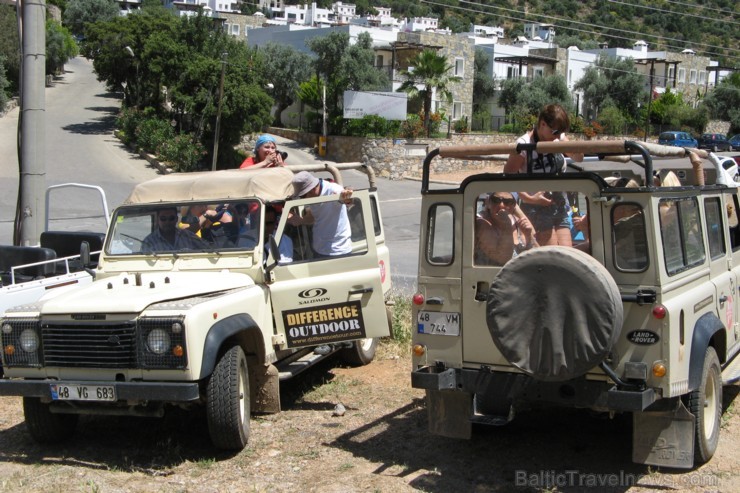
point(332, 234)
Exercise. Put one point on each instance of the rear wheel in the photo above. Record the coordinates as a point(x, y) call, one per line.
point(715, 148)
point(705, 403)
point(228, 405)
point(361, 353)
point(45, 426)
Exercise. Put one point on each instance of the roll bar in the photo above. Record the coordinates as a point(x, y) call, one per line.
point(619, 150)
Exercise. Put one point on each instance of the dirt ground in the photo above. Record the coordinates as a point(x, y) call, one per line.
point(380, 444)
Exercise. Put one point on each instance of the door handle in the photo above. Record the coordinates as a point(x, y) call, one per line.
point(361, 291)
point(722, 299)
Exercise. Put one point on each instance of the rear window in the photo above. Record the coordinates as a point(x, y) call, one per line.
point(667, 136)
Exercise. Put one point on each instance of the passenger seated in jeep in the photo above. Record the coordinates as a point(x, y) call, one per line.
point(499, 235)
point(286, 243)
point(167, 236)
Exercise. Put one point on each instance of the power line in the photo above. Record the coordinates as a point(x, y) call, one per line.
point(522, 18)
point(682, 14)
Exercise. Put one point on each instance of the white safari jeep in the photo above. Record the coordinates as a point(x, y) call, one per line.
point(217, 320)
point(637, 315)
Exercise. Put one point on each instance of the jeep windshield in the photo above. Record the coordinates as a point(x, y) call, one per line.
point(185, 227)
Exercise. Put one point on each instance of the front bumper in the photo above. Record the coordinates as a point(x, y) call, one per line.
point(125, 391)
point(520, 388)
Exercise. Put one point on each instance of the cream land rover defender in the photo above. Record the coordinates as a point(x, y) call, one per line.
point(218, 321)
point(638, 315)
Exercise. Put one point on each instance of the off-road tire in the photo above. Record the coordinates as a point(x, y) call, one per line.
point(228, 405)
point(361, 353)
point(554, 312)
point(45, 426)
point(705, 403)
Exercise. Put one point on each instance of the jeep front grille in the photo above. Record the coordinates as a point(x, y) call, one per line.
point(89, 346)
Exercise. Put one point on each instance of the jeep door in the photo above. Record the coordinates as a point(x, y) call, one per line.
point(480, 269)
point(321, 300)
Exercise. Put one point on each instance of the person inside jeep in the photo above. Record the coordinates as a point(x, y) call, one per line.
point(167, 236)
point(332, 234)
point(499, 235)
point(549, 211)
point(286, 243)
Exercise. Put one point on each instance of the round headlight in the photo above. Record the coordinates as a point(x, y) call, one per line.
point(7, 328)
point(158, 341)
point(176, 328)
point(29, 340)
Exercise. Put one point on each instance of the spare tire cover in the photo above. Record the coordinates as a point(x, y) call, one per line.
point(554, 312)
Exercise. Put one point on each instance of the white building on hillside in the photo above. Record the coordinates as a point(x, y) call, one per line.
point(420, 24)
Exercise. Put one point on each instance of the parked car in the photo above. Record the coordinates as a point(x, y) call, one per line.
point(677, 139)
point(735, 142)
point(731, 166)
point(638, 316)
point(714, 142)
point(217, 320)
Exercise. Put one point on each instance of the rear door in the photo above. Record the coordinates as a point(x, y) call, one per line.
point(323, 300)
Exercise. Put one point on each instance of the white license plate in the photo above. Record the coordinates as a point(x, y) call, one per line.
point(438, 323)
point(74, 392)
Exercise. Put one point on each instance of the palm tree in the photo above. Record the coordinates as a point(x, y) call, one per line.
point(433, 72)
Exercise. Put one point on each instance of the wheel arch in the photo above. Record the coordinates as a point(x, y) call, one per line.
point(238, 329)
point(708, 331)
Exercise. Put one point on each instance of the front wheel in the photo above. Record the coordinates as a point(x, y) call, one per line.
point(705, 403)
point(361, 353)
point(228, 405)
point(45, 426)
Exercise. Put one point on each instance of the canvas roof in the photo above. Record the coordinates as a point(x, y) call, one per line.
point(268, 184)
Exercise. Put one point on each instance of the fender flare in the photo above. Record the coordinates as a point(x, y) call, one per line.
point(704, 330)
point(221, 331)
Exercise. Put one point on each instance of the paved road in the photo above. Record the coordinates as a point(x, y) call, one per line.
point(80, 147)
point(80, 118)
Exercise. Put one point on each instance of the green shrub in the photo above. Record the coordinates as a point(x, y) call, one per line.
point(461, 126)
point(182, 153)
point(128, 120)
point(371, 125)
point(412, 127)
point(153, 132)
point(507, 128)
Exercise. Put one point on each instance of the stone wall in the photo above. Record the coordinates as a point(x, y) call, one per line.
point(402, 158)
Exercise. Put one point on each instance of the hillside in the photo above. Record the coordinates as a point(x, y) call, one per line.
point(709, 28)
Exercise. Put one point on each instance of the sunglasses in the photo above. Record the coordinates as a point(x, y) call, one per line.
point(552, 130)
point(498, 200)
point(167, 218)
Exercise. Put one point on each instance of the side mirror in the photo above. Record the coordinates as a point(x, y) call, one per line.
point(85, 258)
point(85, 254)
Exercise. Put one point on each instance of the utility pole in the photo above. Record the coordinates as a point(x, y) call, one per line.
point(650, 98)
point(30, 216)
point(218, 112)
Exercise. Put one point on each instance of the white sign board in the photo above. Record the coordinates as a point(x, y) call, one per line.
point(389, 105)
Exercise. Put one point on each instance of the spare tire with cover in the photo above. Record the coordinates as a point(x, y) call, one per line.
point(554, 312)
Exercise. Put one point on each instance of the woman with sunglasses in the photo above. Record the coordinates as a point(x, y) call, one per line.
point(549, 211)
point(499, 233)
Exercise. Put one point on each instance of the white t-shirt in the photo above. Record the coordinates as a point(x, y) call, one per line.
point(332, 234)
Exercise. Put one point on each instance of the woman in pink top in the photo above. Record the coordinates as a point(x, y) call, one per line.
point(265, 154)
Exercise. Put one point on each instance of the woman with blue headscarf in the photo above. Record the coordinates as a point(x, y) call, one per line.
point(265, 154)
